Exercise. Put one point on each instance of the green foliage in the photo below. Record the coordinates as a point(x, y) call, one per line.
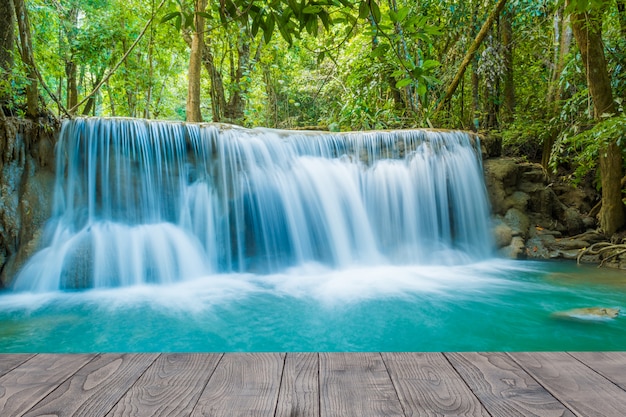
point(582, 149)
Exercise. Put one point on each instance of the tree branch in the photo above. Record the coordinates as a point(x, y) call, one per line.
point(470, 54)
point(106, 78)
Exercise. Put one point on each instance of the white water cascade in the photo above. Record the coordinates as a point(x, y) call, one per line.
point(138, 202)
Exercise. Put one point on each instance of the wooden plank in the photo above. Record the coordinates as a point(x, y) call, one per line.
point(503, 387)
point(578, 387)
point(8, 362)
point(243, 384)
point(299, 389)
point(27, 384)
point(429, 386)
point(170, 387)
point(356, 384)
point(95, 388)
point(611, 365)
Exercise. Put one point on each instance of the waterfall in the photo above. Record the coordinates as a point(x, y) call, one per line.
point(139, 201)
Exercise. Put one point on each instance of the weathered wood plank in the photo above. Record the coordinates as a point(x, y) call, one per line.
point(243, 384)
point(429, 386)
point(356, 384)
point(8, 362)
point(578, 387)
point(299, 389)
point(169, 388)
point(611, 365)
point(503, 387)
point(95, 388)
point(27, 384)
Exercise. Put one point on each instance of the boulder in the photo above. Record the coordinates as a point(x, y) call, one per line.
point(588, 313)
point(518, 222)
point(516, 250)
point(503, 235)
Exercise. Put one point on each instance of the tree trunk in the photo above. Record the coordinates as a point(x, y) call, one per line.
point(587, 28)
point(7, 43)
point(563, 41)
point(72, 87)
point(506, 31)
point(470, 53)
point(621, 8)
point(235, 107)
point(32, 93)
point(195, 65)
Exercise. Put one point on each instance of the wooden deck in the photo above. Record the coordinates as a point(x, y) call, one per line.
point(314, 384)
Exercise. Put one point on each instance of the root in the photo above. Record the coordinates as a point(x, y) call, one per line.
point(600, 248)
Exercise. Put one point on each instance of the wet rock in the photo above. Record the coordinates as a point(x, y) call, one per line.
point(589, 313)
point(503, 235)
point(516, 250)
point(518, 200)
point(518, 222)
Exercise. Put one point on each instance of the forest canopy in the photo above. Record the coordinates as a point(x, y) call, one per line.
point(547, 76)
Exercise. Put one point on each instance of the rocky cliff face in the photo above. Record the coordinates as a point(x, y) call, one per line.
point(26, 185)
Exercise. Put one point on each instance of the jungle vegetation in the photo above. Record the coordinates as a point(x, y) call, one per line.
point(548, 76)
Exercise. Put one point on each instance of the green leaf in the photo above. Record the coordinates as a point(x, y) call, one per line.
point(312, 9)
point(320, 57)
point(380, 50)
point(404, 82)
point(269, 29)
point(429, 64)
point(422, 90)
point(326, 20)
point(364, 10)
point(402, 13)
point(170, 16)
point(375, 11)
point(205, 15)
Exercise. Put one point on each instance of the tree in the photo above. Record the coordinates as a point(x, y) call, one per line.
point(7, 42)
point(587, 27)
point(26, 50)
point(195, 64)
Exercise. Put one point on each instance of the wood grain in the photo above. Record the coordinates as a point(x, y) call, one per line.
point(503, 388)
point(27, 384)
point(95, 388)
point(8, 362)
point(429, 386)
point(356, 384)
point(243, 384)
point(299, 388)
point(169, 388)
point(578, 387)
point(611, 365)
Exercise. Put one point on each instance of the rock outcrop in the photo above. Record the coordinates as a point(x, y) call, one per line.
point(530, 219)
point(26, 184)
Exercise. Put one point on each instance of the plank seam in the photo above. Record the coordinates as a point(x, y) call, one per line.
point(133, 384)
point(546, 387)
point(280, 384)
point(599, 373)
point(469, 387)
point(319, 387)
point(193, 410)
point(393, 383)
point(17, 365)
point(93, 358)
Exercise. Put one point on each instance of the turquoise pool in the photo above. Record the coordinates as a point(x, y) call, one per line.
point(495, 305)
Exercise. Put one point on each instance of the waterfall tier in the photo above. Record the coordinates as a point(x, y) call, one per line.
point(141, 201)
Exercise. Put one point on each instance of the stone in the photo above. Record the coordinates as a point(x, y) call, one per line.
point(502, 235)
point(516, 250)
point(588, 313)
point(518, 222)
point(518, 200)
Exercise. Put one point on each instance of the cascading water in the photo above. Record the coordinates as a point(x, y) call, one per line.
point(155, 202)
